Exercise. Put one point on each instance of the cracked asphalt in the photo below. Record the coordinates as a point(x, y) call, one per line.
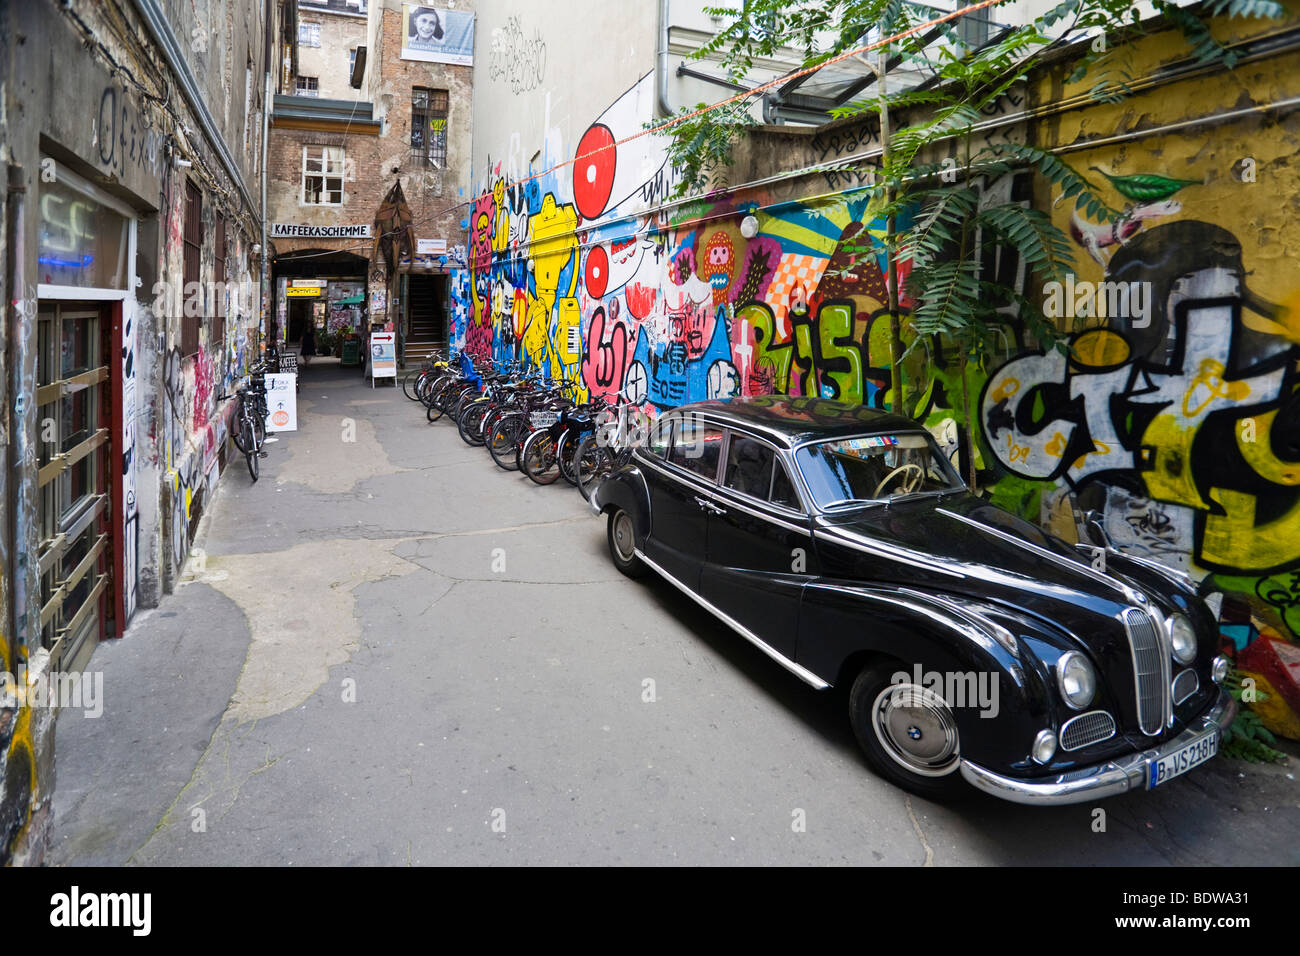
point(389, 651)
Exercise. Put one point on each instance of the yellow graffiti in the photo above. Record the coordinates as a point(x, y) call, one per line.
point(1170, 476)
point(1210, 376)
point(1256, 448)
point(1100, 348)
point(1016, 452)
point(501, 239)
point(1235, 539)
point(1056, 447)
point(1005, 390)
point(554, 246)
point(1098, 448)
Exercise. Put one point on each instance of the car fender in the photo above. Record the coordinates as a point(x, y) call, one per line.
point(1007, 697)
point(626, 488)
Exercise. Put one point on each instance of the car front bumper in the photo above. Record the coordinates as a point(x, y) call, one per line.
point(1103, 780)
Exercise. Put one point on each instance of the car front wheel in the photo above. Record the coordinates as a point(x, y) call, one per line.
point(622, 544)
point(908, 733)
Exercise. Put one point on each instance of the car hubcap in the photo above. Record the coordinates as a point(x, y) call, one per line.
point(623, 541)
point(916, 728)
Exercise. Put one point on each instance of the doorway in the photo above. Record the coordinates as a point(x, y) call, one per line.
point(74, 399)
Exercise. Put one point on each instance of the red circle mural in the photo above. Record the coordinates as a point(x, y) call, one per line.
point(593, 175)
point(595, 274)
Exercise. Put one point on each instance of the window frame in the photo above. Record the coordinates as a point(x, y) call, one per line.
point(311, 91)
point(192, 269)
point(427, 114)
point(323, 175)
point(778, 461)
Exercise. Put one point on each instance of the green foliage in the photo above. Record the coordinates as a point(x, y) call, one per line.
point(1247, 738)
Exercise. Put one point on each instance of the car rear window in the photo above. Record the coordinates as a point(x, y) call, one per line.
point(697, 448)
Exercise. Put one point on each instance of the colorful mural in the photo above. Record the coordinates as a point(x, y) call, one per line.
point(1175, 414)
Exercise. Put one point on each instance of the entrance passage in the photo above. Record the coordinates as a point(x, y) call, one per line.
point(426, 295)
point(73, 480)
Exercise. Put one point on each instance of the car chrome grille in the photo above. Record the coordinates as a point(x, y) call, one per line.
point(1150, 670)
point(1185, 685)
point(1089, 728)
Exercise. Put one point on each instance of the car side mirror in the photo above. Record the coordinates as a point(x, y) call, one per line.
point(1096, 529)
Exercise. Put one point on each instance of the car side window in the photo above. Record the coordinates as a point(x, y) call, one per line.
point(697, 448)
point(749, 466)
point(660, 438)
point(783, 492)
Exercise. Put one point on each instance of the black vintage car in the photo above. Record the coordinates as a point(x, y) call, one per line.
point(841, 543)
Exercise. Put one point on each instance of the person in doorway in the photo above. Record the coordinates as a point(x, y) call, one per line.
point(308, 342)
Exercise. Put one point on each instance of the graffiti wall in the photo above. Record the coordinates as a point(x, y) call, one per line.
point(1175, 414)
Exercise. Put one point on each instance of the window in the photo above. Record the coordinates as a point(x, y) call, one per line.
point(322, 175)
point(192, 240)
point(660, 437)
point(749, 466)
point(783, 492)
point(429, 126)
point(697, 448)
point(352, 63)
point(306, 86)
point(309, 34)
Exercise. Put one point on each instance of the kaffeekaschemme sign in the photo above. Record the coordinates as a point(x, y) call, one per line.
point(289, 230)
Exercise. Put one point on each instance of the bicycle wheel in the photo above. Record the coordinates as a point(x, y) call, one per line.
point(538, 457)
point(409, 382)
point(251, 454)
point(503, 440)
point(566, 454)
point(591, 464)
point(239, 431)
point(259, 433)
point(470, 424)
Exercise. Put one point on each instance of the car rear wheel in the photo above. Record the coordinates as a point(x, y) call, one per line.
point(908, 732)
point(622, 544)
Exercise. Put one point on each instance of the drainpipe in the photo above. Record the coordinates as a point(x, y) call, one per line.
point(263, 298)
point(22, 388)
point(665, 110)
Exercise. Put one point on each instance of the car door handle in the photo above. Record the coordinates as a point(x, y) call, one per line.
point(707, 505)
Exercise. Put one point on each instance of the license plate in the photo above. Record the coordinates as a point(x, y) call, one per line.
point(1183, 760)
point(544, 419)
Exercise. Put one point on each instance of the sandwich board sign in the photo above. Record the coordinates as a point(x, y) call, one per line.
point(383, 356)
point(281, 402)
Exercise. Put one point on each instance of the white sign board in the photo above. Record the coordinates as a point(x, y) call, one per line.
point(383, 356)
point(430, 247)
point(282, 401)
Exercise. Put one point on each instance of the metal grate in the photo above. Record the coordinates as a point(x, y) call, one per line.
point(1185, 685)
point(1150, 670)
point(1089, 728)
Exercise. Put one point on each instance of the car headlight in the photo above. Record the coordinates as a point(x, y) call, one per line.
point(1076, 679)
point(1183, 638)
point(1044, 747)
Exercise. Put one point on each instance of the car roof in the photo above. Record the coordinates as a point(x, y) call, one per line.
point(798, 419)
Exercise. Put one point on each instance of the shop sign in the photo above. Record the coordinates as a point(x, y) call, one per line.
point(431, 247)
point(289, 230)
point(282, 402)
point(299, 291)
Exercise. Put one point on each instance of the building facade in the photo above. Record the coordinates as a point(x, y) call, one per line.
point(132, 143)
point(364, 182)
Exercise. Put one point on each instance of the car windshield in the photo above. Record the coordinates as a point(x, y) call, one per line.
point(874, 468)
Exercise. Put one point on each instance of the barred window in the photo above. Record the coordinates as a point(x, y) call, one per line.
point(429, 126)
point(306, 86)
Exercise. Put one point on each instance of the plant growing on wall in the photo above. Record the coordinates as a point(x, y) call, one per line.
point(956, 223)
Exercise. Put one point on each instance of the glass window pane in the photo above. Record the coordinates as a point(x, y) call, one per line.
point(783, 492)
point(697, 448)
point(79, 242)
point(660, 438)
point(749, 466)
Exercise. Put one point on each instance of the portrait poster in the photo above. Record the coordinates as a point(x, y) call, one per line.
point(437, 35)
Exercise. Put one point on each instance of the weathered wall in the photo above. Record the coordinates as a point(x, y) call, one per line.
point(1186, 432)
point(340, 33)
point(110, 112)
